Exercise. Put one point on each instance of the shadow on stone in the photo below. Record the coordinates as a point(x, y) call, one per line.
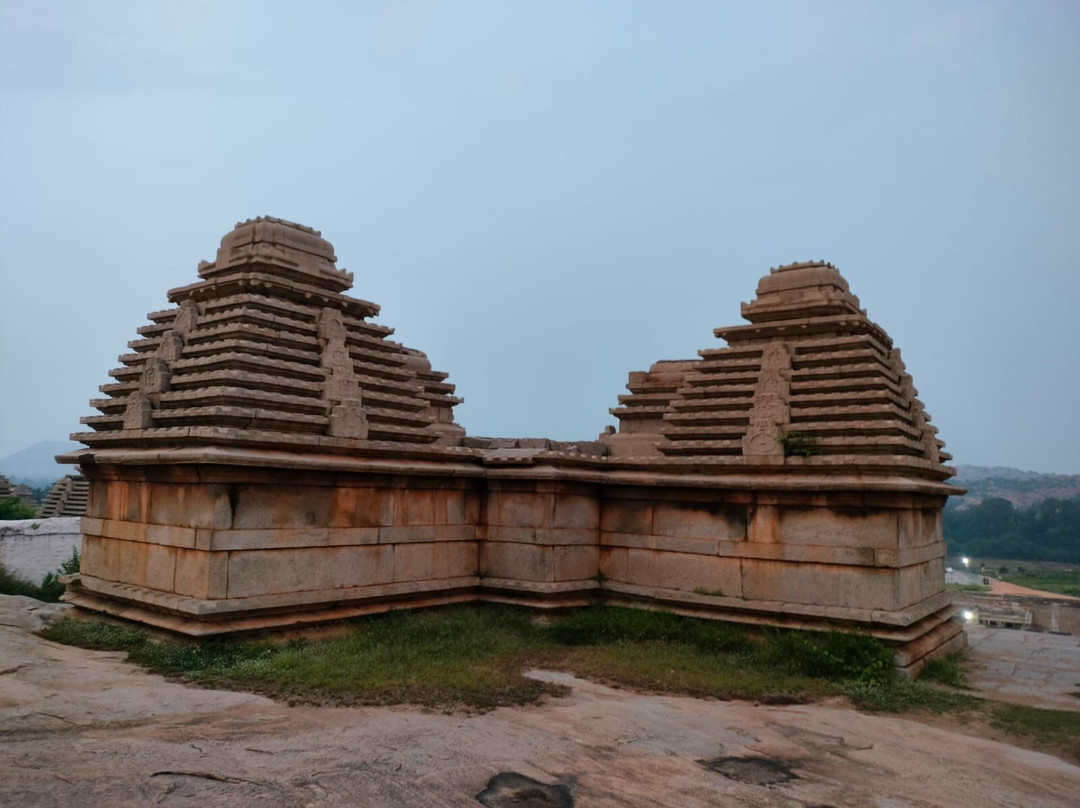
point(753, 770)
point(512, 790)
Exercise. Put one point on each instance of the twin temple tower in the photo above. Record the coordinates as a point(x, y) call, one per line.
point(267, 457)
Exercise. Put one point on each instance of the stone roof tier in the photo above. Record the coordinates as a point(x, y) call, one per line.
point(68, 497)
point(810, 382)
point(266, 350)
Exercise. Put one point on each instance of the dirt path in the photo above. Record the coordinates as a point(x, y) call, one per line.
point(1005, 588)
point(83, 728)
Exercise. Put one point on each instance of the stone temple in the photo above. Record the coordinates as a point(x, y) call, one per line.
point(67, 497)
point(267, 457)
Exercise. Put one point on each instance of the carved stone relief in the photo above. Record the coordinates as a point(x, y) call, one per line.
point(341, 390)
point(770, 410)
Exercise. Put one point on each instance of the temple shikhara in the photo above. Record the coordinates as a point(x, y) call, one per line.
point(67, 497)
point(267, 457)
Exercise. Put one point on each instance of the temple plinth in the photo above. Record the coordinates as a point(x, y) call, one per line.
point(267, 457)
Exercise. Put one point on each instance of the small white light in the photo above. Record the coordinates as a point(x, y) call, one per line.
point(968, 615)
point(966, 560)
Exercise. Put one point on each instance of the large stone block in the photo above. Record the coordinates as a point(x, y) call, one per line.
point(261, 572)
point(838, 527)
point(920, 581)
point(426, 562)
point(183, 505)
point(529, 535)
point(456, 507)
point(576, 511)
point(520, 509)
point(526, 562)
point(201, 575)
point(626, 516)
point(820, 584)
point(284, 538)
point(576, 563)
point(615, 563)
point(918, 527)
point(278, 506)
point(681, 544)
point(700, 520)
point(407, 533)
point(98, 499)
point(358, 506)
point(124, 500)
point(646, 540)
point(417, 507)
point(682, 571)
point(137, 563)
point(763, 524)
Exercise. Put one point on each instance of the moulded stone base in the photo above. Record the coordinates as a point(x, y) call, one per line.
point(930, 636)
point(946, 638)
point(153, 612)
point(216, 547)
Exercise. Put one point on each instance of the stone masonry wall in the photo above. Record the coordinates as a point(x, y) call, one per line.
point(32, 548)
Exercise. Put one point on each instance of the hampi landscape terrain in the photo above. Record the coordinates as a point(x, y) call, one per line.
point(730, 596)
point(85, 727)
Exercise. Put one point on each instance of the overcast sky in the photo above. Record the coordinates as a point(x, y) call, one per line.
point(544, 196)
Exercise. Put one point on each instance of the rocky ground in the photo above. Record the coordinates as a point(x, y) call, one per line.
point(84, 728)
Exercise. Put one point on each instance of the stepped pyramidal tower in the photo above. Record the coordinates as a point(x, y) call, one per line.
point(267, 457)
point(67, 497)
point(810, 383)
point(266, 351)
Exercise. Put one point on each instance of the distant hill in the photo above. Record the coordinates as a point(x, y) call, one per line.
point(1021, 488)
point(36, 465)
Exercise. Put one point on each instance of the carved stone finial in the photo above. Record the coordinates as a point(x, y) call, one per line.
point(348, 420)
point(139, 413)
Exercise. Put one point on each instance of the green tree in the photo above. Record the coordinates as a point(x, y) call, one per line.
point(15, 508)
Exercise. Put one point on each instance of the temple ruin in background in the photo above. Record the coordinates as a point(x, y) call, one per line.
point(267, 457)
point(67, 497)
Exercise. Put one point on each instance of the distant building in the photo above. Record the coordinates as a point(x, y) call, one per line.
point(67, 497)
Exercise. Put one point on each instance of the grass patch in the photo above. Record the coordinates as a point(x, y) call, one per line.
point(671, 668)
point(608, 625)
point(11, 584)
point(475, 656)
point(1059, 581)
point(1057, 727)
point(453, 657)
point(948, 670)
point(50, 589)
point(902, 696)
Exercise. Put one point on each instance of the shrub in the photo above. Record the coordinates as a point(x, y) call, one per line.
point(12, 584)
point(947, 670)
point(831, 655)
point(608, 625)
point(15, 508)
point(50, 589)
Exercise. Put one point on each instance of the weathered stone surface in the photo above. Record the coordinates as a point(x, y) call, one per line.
point(85, 729)
point(32, 548)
